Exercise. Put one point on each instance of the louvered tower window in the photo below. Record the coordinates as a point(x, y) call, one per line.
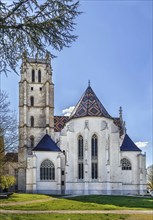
point(39, 75)
point(32, 101)
point(33, 76)
point(32, 121)
point(47, 170)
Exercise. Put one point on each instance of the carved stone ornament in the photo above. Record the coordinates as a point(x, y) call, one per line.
point(86, 124)
point(104, 125)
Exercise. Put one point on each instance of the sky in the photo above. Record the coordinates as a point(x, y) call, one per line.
point(113, 51)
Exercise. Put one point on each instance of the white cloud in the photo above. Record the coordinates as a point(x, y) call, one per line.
point(141, 144)
point(68, 111)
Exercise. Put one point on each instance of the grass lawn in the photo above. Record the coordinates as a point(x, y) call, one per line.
point(92, 202)
point(74, 217)
point(23, 198)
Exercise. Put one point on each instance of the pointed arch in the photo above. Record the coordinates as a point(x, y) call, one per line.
point(80, 157)
point(94, 146)
point(47, 170)
point(33, 75)
point(80, 147)
point(94, 157)
point(39, 75)
point(126, 164)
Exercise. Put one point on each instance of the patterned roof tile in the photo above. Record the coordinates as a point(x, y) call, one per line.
point(59, 122)
point(89, 105)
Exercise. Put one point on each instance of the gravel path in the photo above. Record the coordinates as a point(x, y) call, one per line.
point(146, 212)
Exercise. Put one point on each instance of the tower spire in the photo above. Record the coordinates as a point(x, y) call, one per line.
point(88, 83)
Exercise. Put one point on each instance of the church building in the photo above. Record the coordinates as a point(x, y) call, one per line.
point(88, 152)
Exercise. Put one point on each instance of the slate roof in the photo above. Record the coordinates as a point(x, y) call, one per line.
point(59, 122)
point(46, 144)
point(89, 105)
point(128, 145)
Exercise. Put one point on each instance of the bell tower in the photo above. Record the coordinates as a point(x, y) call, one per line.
point(36, 108)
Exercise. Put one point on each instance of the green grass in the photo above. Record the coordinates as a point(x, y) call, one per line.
point(92, 202)
point(130, 202)
point(15, 197)
point(74, 217)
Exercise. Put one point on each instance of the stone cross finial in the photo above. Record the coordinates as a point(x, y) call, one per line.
point(88, 82)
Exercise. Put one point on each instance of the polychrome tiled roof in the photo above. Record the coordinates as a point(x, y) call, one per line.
point(46, 144)
point(89, 105)
point(128, 145)
point(59, 122)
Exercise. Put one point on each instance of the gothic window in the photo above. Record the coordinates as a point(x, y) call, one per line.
point(94, 147)
point(94, 170)
point(39, 75)
point(32, 141)
point(80, 147)
point(47, 170)
point(81, 170)
point(32, 101)
point(126, 165)
point(94, 157)
point(33, 76)
point(32, 121)
point(80, 158)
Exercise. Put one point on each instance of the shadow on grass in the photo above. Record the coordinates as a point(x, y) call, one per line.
point(120, 201)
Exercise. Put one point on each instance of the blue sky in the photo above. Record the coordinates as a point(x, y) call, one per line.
point(114, 52)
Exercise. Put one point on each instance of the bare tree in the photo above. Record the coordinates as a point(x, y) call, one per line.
point(33, 25)
point(8, 127)
point(150, 178)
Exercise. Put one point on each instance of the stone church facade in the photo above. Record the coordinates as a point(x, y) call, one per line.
point(88, 152)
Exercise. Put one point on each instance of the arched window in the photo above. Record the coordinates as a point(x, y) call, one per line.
point(94, 157)
point(81, 170)
point(32, 101)
point(80, 158)
point(39, 75)
point(94, 147)
point(33, 76)
point(94, 170)
point(32, 121)
point(126, 165)
point(80, 147)
point(32, 141)
point(47, 170)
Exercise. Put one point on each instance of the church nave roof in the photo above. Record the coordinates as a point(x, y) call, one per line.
point(89, 105)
